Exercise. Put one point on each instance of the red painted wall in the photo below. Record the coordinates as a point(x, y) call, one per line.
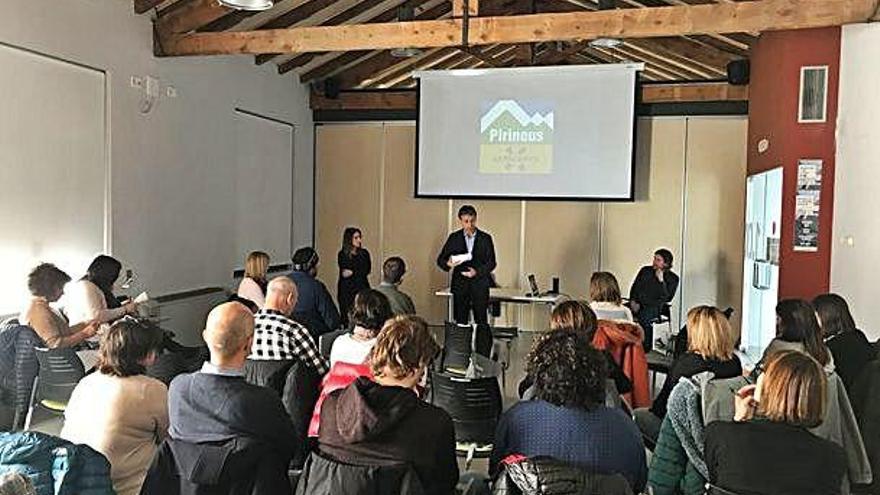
point(774, 89)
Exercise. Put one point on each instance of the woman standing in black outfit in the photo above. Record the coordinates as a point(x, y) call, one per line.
point(354, 266)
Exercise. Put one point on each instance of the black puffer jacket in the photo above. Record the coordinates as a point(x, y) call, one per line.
point(323, 475)
point(547, 476)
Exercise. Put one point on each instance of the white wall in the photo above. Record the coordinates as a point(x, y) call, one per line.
point(855, 256)
point(173, 170)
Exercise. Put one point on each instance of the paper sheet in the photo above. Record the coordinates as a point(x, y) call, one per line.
point(458, 259)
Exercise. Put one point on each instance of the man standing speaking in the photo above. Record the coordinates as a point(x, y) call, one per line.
point(470, 254)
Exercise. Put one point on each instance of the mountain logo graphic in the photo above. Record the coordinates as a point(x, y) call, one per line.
point(512, 108)
point(514, 141)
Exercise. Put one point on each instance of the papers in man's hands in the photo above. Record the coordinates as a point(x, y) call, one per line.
point(141, 298)
point(458, 259)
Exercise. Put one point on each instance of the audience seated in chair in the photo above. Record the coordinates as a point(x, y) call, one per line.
point(117, 410)
point(369, 312)
point(255, 281)
point(678, 465)
point(384, 422)
point(711, 344)
point(393, 271)
point(46, 283)
point(277, 337)
point(769, 450)
point(651, 292)
point(567, 419)
point(622, 341)
point(577, 316)
point(314, 307)
point(605, 298)
point(91, 297)
point(798, 330)
point(848, 345)
point(866, 406)
point(223, 430)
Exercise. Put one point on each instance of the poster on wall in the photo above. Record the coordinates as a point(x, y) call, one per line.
point(806, 221)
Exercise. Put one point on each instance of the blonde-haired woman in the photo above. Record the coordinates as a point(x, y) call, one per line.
point(768, 449)
point(605, 298)
point(711, 345)
point(253, 285)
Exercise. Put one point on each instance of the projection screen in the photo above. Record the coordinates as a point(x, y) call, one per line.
point(527, 133)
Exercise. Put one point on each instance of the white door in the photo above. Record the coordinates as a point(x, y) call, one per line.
point(263, 187)
point(761, 266)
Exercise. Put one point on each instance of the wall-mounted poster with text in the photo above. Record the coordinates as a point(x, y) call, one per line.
point(806, 209)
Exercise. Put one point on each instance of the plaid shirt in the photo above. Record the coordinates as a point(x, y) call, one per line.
point(277, 337)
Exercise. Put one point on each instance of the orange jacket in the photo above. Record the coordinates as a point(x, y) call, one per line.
point(624, 342)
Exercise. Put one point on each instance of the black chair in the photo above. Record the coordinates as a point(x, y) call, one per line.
point(297, 384)
point(60, 371)
point(504, 336)
point(474, 405)
point(457, 347)
point(325, 341)
point(18, 367)
point(658, 363)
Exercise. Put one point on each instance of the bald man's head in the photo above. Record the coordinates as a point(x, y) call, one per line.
point(228, 332)
point(281, 295)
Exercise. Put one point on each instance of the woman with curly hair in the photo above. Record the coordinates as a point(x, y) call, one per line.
point(569, 397)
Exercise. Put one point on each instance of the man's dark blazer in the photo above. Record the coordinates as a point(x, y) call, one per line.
point(483, 260)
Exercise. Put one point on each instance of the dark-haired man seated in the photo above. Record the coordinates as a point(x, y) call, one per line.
point(392, 276)
point(314, 307)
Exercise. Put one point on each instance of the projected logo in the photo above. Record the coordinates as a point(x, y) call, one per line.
point(516, 138)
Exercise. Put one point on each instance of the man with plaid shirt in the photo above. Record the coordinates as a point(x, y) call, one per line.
point(276, 336)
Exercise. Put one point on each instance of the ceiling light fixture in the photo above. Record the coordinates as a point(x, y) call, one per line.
point(248, 4)
point(406, 13)
point(606, 43)
point(407, 52)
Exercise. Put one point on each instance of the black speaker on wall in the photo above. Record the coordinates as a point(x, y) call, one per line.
point(331, 87)
point(738, 72)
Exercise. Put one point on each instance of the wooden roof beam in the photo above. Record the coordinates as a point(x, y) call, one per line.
point(651, 93)
point(761, 15)
point(143, 6)
point(189, 15)
point(431, 9)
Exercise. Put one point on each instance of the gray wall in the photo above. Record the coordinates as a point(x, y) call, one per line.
point(173, 170)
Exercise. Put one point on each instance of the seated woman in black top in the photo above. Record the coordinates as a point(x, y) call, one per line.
point(711, 344)
point(384, 422)
point(848, 345)
point(579, 317)
point(768, 450)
